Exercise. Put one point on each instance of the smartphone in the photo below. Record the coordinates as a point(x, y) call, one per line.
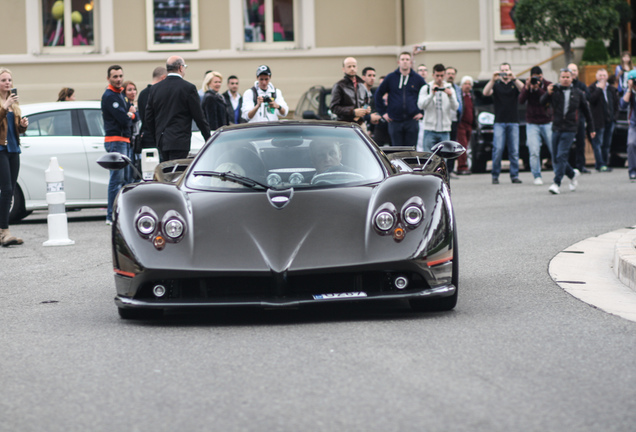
point(14, 91)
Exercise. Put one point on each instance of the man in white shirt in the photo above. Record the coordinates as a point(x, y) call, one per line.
point(438, 100)
point(263, 102)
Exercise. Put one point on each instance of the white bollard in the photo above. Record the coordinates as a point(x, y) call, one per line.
point(56, 199)
point(149, 161)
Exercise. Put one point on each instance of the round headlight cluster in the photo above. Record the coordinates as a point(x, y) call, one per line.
point(384, 220)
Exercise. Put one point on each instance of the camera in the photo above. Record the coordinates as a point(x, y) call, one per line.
point(420, 48)
point(267, 99)
point(439, 89)
point(14, 91)
point(535, 80)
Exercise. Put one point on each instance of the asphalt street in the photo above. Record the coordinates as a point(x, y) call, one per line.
point(519, 353)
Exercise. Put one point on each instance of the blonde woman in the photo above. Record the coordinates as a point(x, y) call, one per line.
point(213, 103)
point(12, 124)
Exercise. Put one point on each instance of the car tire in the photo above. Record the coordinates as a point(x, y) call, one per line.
point(479, 162)
point(139, 314)
point(18, 210)
point(441, 304)
point(617, 161)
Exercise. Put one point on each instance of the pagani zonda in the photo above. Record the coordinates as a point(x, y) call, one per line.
point(288, 213)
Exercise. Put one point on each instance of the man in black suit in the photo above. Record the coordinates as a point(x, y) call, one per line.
point(172, 105)
point(158, 74)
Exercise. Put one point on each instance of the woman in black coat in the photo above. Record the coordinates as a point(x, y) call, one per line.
point(213, 104)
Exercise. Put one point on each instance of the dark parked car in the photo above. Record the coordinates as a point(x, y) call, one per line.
point(284, 214)
point(314, 105)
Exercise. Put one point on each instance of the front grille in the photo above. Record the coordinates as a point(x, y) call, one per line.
point(263, 287)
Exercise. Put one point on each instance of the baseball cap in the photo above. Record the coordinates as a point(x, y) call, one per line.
point(263, 69)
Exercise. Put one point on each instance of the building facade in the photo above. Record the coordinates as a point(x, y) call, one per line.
point(71, 43)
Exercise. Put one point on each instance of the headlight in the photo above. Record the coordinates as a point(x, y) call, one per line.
point(413, 215)
point(384, 220)
point(174, 228)
point(146, 222)
point(486, 119)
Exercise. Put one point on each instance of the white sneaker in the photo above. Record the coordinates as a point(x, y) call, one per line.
point(574, 181)
point(554, 189)
point(538, 181)
point(109, 222)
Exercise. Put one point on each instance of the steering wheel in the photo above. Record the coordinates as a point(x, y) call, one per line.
point(335, 177)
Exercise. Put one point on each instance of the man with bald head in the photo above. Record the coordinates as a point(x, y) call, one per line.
point(349, 96)
point(580, 132)
point(172, 105)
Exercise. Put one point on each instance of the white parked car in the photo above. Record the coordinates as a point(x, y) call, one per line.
point(74, 133)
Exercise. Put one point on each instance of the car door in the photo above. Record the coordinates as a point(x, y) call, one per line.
point(53, 133)
point(91, 124)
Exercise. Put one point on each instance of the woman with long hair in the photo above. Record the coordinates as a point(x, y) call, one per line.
point(622, 70)
point(12, 124)
point(213, 104)
point(130, 94)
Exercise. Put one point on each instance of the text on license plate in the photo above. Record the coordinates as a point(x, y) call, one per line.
point(339, 295)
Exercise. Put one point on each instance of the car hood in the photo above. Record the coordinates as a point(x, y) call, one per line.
point(331, 227)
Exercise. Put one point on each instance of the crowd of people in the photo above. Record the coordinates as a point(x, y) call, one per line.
point(405, 110)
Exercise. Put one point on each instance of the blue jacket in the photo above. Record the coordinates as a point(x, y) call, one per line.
point(402, 101)
point(115, 114)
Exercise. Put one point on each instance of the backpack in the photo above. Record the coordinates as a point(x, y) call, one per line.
point(255, 93)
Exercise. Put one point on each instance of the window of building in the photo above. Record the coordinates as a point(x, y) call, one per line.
point(269, 21)
point(68, 24)
point(172, 25)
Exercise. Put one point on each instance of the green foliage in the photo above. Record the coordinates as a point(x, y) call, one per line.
point(562, 21)
point(595, 52)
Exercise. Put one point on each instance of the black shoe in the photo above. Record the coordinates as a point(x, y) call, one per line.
point(585, 170)
point(516, 180)
point(495, 181)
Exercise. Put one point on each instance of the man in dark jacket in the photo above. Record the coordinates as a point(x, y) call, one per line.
point(234, 100)
point(172, 105)
point(604, 105)
point(117, 126)
point(349, 96)
point(566, 102)
point(580, 131)
point(538, 120)
point(403, 87)
point(158, 74)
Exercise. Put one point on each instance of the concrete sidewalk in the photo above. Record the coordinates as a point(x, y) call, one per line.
point(601, 271)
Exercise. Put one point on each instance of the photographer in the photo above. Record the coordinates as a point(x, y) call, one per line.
point(629, 100)
point(505, 89)
point(438, 100)
point(567, 103)
point(538, 120)
point(263, 102)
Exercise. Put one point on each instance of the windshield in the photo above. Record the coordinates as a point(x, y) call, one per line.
point(299, 156)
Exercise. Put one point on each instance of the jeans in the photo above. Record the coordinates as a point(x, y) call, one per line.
point(561, 143)
point(536, 135)
point(505, 133)
point(597, 144)
point(579, 149)
point(607, 142)
point(631, 150)
point(9, 168)
point(431, 138)
point(118, 178)
point(404, 133)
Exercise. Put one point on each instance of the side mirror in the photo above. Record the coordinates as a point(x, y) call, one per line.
point(448, 149)
point(310, 115)
point(116, 161)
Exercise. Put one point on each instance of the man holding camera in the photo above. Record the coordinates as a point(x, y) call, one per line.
point(505, 89)
point(263, 102)
point(538, 120)
point(438, 100)
point(567, 103)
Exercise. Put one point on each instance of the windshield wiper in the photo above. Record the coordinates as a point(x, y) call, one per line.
point(230, 176)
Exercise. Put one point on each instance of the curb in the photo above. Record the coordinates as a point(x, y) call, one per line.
point(625, 258)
